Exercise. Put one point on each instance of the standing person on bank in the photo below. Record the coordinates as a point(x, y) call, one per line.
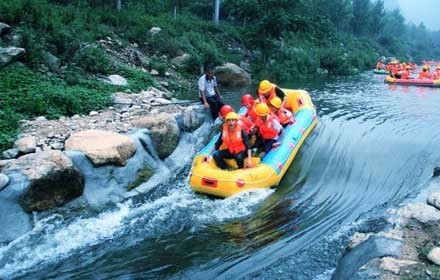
point(208, 92)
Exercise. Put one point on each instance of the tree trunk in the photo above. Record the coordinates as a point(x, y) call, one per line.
point(118, 5)
point(216, 11)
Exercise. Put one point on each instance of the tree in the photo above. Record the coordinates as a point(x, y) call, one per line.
point(216, 11)
point(361, 14)
point(118, 5)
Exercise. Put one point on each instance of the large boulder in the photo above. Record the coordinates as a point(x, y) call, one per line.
point(164, 132)
point(4, 29)
point(102, 147)
point(232, 75)
point(26, 145)
point(53, 180)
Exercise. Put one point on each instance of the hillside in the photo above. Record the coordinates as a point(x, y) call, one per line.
point(67, 48)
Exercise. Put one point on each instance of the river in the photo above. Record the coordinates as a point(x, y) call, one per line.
point(374, 147)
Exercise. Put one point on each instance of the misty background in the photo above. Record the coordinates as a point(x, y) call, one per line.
point(418, 11)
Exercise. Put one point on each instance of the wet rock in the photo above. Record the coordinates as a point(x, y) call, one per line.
point(436, 171)
point(102, 147)
point(116, 80)
point(164, 132)
point(179, 61)
point(419, 211)
point(434, 255)
point(53, 180)
point(155, 30)
point(4, 29)
point(375, 247)
point(4, 180)
point(434, 200)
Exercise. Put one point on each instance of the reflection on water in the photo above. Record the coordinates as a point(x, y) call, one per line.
point(374, 146)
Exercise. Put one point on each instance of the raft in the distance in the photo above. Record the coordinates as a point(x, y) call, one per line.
point(206, 177)
point(413, 82)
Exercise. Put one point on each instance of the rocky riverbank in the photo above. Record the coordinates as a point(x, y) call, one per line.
point(108, 155)
point(404, 246)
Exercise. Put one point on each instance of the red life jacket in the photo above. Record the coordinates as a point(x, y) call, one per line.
point(406, 74)
point(424, 75)
point(266, 129)
point(251, 114)
point(232, 140)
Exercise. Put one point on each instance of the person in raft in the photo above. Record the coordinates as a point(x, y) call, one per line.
point(208, 92)
point(436, 74)
point(269, 128)
point(266, 91)
point(233, 143)
point(406, 74)
point(425, 74)
point(285, 117)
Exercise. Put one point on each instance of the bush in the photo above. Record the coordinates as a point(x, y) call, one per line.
point(93, 59)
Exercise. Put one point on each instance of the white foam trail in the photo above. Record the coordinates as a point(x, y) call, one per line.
point(53, 240)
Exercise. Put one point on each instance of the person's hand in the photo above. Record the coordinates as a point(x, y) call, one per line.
point(249, 163)
point(206, 105)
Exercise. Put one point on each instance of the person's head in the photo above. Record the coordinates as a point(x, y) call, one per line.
point(275, 103)
point(437, 68)
point(210, 72)
point(408, 67)
point(247, 100)
point(232, 119)
point(264, 87)
point(224, 110)
point(425, 68)
point(262, 110)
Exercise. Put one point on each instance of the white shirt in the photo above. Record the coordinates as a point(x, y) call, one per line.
point(207, 86)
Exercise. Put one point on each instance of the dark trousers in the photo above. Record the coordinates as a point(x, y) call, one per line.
point(220, 156)
point(214, 105)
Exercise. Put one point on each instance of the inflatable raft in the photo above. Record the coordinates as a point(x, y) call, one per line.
point(381, 71)
point(413, 82)
point(205, 177)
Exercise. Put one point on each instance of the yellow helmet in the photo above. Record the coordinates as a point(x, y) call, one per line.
point(232, 116)
point(407, 67)
point(426, 67)
point(438, 67)
point(262, 109)
point(264, 87)
point(276, 102)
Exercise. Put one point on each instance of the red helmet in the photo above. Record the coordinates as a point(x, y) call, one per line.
point(247, 99)
point(225, 109)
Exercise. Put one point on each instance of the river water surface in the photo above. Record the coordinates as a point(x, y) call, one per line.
point(374, 147)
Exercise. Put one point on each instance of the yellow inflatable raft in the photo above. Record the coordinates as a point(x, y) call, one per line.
point(206, 177)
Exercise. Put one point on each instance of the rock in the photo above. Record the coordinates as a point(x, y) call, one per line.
point(180, 60)
point(4, 29)
point(434, 255)
point(116, 80)
point(164, 132)
point(154, 72)
point(53, 180)
point(155, 30)
point(26, 145)
point(5, 162)
point(419, 211)
point(102, 147)
point(436, 171)
point(232, 75)
point(434, 200)
point(10, 153)
point(393, 265)
point(52, 62)
point(4, 180)
point(8, 55)
point(193, 117)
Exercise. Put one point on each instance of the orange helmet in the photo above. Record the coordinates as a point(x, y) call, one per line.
point(264, 87)
point(224, 110)
point(262, 110)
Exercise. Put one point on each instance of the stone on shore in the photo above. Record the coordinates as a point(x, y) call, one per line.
point(102, 147)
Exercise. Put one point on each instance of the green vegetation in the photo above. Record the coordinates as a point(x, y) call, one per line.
point(280, 39)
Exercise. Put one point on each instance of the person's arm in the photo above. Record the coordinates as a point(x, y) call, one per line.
point(202, 89)
point(217, 145)
point(245, 138)
point(216, 88)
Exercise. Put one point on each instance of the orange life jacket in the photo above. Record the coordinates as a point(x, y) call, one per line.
point(379, 65)
point(435, 75)
point(424, 75)
point(232, 140)
point(406, 74)
point(266, 129)
point(284, 116)
point(251, 114)
point(246, 124)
